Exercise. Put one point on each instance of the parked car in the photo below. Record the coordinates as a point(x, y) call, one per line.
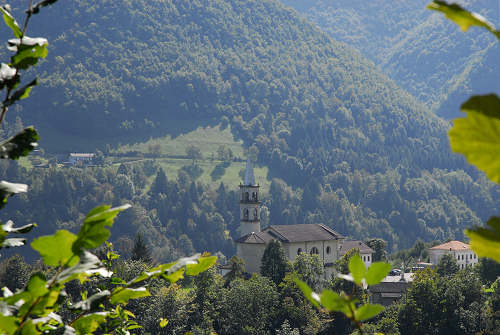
point(395, 272)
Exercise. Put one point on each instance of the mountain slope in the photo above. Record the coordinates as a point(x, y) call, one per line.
point(421, 50)
point(361, 154)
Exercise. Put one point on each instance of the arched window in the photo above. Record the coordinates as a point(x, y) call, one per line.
point(255, 214)
point(328, 250)
point(364, 258)
point(314, 251)
point(245, 213)
point(247, 196)
point(254, 196)
point(368, 258)
point(299, 250)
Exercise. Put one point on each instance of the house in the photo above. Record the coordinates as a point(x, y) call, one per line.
point(462, 253)
point(390, 289)
point(309, 238)
point(80, 157)
point(365, 251)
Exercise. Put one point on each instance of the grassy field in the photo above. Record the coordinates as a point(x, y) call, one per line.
point(207, 139)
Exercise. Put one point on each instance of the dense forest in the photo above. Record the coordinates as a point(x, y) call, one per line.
point(344, 145)
point(420, 50)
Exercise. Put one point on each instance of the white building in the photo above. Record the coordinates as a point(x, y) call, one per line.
point(309, 238)
point(365, 251)
point(77, 157)
point(462, 253)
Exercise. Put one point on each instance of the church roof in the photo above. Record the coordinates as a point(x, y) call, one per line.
point(291, 233)
point(452, 245)
point(255, 238)
point(349, 244)
point(249, 177)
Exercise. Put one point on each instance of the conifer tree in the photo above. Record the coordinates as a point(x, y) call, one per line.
point(274, 263)
point(140, 252)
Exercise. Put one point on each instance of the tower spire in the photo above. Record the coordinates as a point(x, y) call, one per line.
point(249, 177)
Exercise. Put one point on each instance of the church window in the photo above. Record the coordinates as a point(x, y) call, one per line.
point(247, 197)
point(255, 214)
point(364, 259)
point(368, 258)
point(314, 251)
point(299, 250)
point(254, 196)
point(328, 250)
point(245, 213)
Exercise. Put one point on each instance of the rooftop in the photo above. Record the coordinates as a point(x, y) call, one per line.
point(348, 245)
point(452, 245)
point(292, 233)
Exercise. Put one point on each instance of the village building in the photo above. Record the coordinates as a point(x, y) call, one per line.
point(462, 253)
point(365, 251)
point(308, 238)
point(74, 158)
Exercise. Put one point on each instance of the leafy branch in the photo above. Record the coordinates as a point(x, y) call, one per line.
point(346, 303)
point(477, 135)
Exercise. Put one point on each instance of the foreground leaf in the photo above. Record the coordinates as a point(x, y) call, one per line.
point(43, 3)
point(477, 136)
point(56, 249)
point(92, 303)
point(9, 189)
point(357, 268)
point(94, 230)
point(204, 263)
point(88, 265)
point(9, 228)
point(486, 241)
point(10, 21)
point(313, 297)
point(20, 144)
point(368, 311)
point(122, 296)
point(334, 302)
point(89, 323)
point(463, 18)
point(376, 272)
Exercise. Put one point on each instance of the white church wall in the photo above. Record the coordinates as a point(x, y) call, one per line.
point(252, 255)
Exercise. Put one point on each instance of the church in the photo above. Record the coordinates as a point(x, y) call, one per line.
point(309, 238)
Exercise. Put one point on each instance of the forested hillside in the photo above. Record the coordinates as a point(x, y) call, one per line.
point(422, 51)
point(345, 146)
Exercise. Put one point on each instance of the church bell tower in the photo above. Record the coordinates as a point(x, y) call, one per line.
point(249, 203)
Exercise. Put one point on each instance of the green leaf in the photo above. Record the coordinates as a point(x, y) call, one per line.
point(367, 311)
point(94, 229)
point(174, 276)
point(37, 286)
point(89, 323)
point(376, 272)
point(8, 324)
point(477, 136)
point(357, 268)
point(486, 241)
point(334, 302)
point(21, 93)
point(204, 263)
point(20, 144)
point(56, 249)
point(88, 265)
point(36, 8)
point(92, 303)
point(463, 18)
point(163, 322)
point(27, 57)
point(8, 189)
point(122, 296)
point(313, 297)
point(10, 21)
